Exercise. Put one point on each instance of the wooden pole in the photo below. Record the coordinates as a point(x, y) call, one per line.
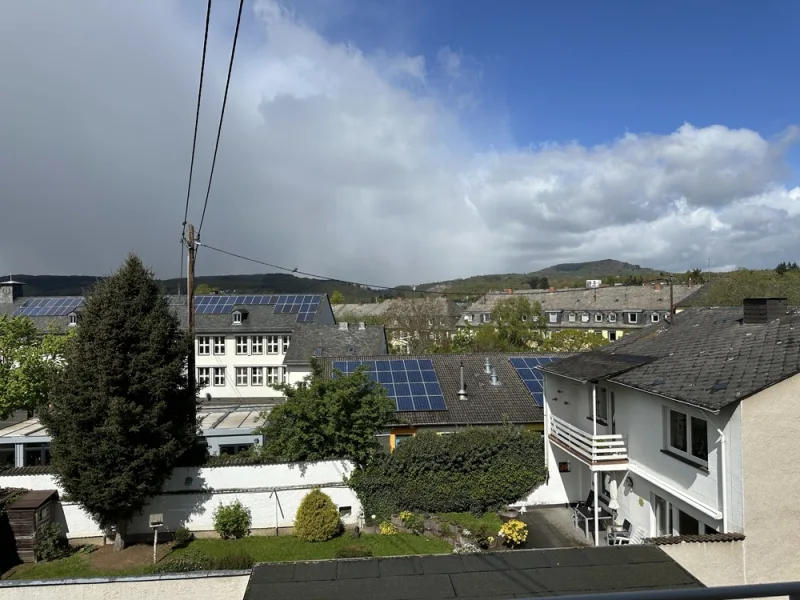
point(190, 242)
point(671, 303)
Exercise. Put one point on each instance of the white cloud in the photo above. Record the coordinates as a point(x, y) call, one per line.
point(337, 161)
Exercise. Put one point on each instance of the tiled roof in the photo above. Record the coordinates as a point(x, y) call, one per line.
point(331, 340)
point(34, 470)
point(695, 539)
point(709, 358)
point(486, 404)
point(443, 307)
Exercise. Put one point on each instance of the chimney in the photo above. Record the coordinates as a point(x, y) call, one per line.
point(10, 290)
point(462, 391)
point(657, 286)
point(509, 291)
point(342, 325)
point(361, 326)
point(495, 380)
point(552, 289)
point(759, 311)
point(487, 366)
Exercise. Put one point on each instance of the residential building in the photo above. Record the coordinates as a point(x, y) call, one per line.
point(447, 392)
point(610, 311)
point(689, 433)
point(411, 323)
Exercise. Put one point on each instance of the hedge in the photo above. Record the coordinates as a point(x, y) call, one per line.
point(476, 470)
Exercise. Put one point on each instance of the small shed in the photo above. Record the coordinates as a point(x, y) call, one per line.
point(26, 514)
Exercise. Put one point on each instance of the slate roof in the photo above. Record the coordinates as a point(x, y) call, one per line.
point(589, 366)
point(494, 576)
point(709, 358)
point(486, 404)
point(331, 340)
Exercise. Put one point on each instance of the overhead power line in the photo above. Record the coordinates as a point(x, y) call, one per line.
point(296, 271)
point(196, 126)
point(221, 116)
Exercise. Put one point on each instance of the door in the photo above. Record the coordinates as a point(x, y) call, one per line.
point(612, 409)
point(662, 511)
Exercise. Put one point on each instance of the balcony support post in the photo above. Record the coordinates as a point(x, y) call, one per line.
point(596, 511)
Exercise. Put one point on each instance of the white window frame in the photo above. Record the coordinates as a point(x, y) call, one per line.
point(237, 317)
point(286, 341)
point(572, 317)
point(633, 318)
point(203, 345)
point(257, 376)
point(276, 375)
point(552, 317)
point(242, 345)
point(485, 318)
point(204, 376)
point(73, 319)
point(688, 454)
point(598, 317)
point(219, 345)
point(612, 317)
point(273, 344)
point(257, 344)
point(655, 318)
point(242, 376)
point(219, 377)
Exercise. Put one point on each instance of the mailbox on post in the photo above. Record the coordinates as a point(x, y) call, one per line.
point(156, 521)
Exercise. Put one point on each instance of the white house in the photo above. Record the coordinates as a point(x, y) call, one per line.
point(688, 430)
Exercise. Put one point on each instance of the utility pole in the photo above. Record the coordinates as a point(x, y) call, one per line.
point(671, 304)
point(190, 301)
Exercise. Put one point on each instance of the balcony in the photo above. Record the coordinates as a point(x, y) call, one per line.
point(601, 452)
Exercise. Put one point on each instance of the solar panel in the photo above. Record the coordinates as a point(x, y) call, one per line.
point(304, 306)
point(411, 383)
point(530, 375)
point(48, 307)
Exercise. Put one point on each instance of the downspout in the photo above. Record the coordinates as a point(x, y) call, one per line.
point(723, 448)
point(594, 473)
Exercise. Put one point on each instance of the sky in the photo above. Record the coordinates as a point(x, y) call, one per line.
point(401, 142)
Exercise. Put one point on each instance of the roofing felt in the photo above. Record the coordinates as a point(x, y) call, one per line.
point(519, 573)
point(485, 404)
point(330, 340)
point(709, 358)
point(33, 499)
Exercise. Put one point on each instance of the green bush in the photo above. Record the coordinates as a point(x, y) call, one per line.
point(482, 536)
point(185, 563)
point(182, 537)
point(51, 544)
point(475, 470)
point(354, 551)
point(232, 521)
point(317, 518)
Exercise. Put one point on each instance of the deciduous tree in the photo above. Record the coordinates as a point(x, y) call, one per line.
point(122, 413)
point(337, 297)
point(572, 340)
point(328, 418)
point(422, 323)
point(519, 323)
point(29, 361)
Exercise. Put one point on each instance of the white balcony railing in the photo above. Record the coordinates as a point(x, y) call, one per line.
point(595, 449)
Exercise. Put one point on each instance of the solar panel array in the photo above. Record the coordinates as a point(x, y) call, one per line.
point(530, 375)
point(48, 307)
point(411, 383)
point(304, 306)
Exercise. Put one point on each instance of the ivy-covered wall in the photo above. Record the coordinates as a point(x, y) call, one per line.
point(473, 470)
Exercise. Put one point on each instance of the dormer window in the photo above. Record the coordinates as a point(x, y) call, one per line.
point(571, 317)
point(598, 318)
point(585, 318)
point(73, 319)
point(237, 317)
point(612, 318)
point(654, 318)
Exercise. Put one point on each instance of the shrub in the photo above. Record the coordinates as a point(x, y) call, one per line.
point(232, 521)
point(483, 537)
point(317, 518)
point(388, 528)
point(354, 551)
point(514, 533)
point(182, 537)
point(51, 544)
point(475, 470)
point(185, 563)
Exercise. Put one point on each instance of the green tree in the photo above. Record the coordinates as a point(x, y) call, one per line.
point(572, 340)
point(781, 268)
point(29, 362)
point(122, 413)
point(204, 289)
point(337, 297)
point(326, 418)
point(519, 323)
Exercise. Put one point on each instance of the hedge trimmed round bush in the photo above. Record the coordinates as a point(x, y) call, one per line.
point(232, 521)
point(317, 518)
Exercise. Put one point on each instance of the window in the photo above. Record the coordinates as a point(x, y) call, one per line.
point(257, 345)
point(219, 345)
point(612, 336)
point(204, 376)
point(688, 436)
point(485, 317)
point(241, 344)
point(612, 318)
point(524, 317)
point(237, 318)
point(399, 439)
point(36, 454)
point(633, 318)
point(571, 317)
point(275, 375)
point(654, 318)
point(600, 333)
point(272, 344)
point(257, 376)
point(219, 376)
point(285, 342)
point(73, 319)
point(585, 318)
point(553, 317)
point(233, 449)
point(241, 375)
point(203, 345)
point(602, 398)
point(598, 318)
point(7, 455)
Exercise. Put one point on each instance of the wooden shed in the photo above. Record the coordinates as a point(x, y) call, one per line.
point(26, 515)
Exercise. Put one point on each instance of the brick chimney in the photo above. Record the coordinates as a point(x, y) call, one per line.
point(758, 311)
point(657, 286)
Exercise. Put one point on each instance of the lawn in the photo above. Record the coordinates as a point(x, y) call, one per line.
point(137, 560)
point(469, 521)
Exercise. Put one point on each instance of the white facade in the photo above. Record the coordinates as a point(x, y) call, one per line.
point(242, 367)
point(674, 468)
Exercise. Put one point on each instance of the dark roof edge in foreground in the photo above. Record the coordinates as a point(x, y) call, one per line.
point(732, 592)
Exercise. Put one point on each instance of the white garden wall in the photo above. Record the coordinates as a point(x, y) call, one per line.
point(271, 492)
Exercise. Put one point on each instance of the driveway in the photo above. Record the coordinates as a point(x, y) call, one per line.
point(551, 528)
